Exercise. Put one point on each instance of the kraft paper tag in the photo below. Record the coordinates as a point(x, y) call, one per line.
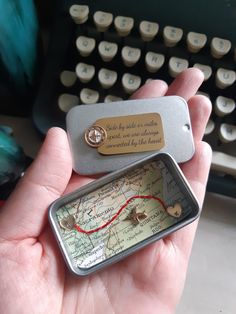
point(134, 133)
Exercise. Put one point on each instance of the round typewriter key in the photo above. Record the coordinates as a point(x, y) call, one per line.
point(79, 13)
point(95, 136)
point(102, 20)
point(89, 96)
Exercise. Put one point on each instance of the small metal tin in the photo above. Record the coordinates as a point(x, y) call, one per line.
point(120, 213)
point(176, 125)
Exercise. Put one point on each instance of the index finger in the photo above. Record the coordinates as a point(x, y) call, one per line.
point(186, 83)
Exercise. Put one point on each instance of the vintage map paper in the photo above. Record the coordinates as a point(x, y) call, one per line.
point(97, 208)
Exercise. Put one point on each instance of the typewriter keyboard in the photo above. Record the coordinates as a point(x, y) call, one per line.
point(109, 57)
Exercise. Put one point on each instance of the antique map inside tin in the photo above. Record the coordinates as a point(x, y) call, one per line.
point(121, 214)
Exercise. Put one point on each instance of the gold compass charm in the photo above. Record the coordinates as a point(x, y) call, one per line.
point(95, 136)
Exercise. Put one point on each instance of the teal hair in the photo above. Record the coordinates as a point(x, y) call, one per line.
point(12, 159)
point(18, 40)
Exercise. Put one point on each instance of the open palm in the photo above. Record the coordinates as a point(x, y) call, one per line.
point(33, 276)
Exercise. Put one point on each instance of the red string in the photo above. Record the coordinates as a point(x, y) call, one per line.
point(118, 213)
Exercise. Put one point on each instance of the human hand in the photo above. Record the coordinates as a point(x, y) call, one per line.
point(34, 278)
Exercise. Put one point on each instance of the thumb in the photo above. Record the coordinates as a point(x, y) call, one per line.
point(25, 213)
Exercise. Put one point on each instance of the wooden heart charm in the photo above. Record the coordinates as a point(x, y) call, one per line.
point(68, 222)
point(174, 211)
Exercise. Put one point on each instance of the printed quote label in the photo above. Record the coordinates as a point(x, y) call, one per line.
point(134, 133)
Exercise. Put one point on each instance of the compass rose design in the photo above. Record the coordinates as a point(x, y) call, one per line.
point(95, 136)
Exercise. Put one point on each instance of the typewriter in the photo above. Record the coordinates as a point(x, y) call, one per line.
point(102, 51)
